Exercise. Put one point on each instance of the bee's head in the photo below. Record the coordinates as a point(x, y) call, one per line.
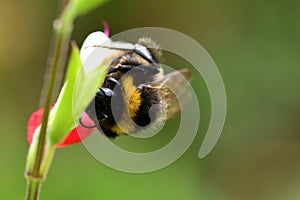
point(152, 46)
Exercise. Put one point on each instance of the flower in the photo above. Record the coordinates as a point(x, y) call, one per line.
point(76, 135)
point(91, 55)
point(90, 58)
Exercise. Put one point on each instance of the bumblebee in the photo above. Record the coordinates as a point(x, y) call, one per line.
point(135, 92)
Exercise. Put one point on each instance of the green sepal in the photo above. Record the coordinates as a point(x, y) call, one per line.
point(78, 91)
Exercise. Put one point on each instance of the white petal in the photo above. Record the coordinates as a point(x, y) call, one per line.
point(92, 56)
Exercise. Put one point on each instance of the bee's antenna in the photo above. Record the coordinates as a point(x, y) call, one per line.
point(108, 47)
point(140, 49)
point(85, 126)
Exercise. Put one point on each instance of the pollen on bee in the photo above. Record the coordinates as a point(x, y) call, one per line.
point(132, 96)
point(132, 100)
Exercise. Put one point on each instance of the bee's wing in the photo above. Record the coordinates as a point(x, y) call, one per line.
point(172, 89)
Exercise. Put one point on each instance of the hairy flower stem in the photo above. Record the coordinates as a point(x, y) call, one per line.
point(40, 152)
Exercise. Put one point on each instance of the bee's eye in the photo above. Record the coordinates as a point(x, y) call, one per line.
point(145, 53)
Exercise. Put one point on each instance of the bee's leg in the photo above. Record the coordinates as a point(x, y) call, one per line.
point(105, 92)
point(120, 67)
point(93, 111)
point(153, 69)
point(101, 117)
point(125, 67)
point(95, 114)
point(112, 80)
point(85, 126)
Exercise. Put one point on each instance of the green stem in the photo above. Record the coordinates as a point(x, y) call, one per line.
point(39, 158)
point(61, 43)
point(33, 183)
point(33, 190)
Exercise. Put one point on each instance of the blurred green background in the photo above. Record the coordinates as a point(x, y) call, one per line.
point(256, 46)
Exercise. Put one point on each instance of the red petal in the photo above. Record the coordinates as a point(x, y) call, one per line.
point(33, 122)
point(79, 133)
point(76, 135)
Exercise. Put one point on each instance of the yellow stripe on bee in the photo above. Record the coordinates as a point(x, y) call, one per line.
point(132, 102)
point(117, 130)
point(132, 96)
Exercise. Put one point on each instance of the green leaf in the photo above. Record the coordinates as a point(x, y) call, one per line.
point(76, 8)
point(77, 92)
point(82, 7)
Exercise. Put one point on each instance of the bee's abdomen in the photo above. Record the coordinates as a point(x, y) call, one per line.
point(140, 107)
point(149, 108)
